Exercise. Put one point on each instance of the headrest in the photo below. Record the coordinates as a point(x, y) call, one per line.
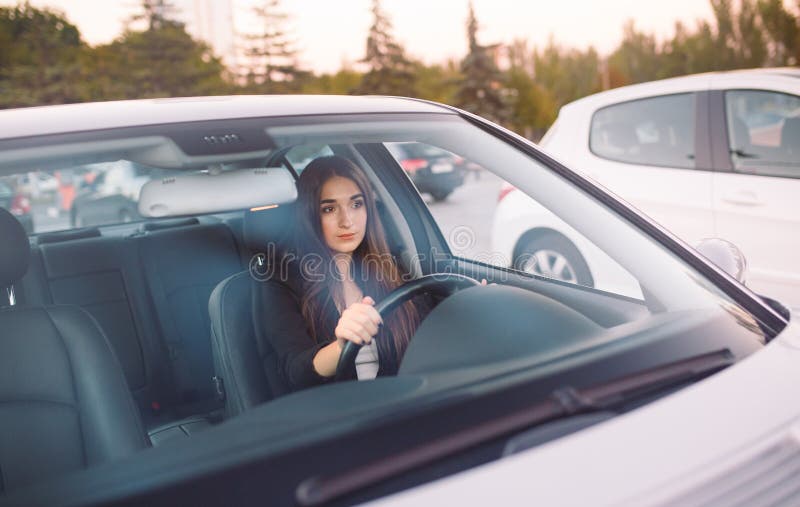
point(790, 133)
point(169, 224)
point(741, 134)
point(14, 249)
point(58, 237)
point(271, 225)
point(621, 135)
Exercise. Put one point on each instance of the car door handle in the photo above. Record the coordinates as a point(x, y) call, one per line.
point(743, 198)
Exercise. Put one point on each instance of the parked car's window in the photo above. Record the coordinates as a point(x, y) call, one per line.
point(656, 131)
point(764, 132)
point(484, 218)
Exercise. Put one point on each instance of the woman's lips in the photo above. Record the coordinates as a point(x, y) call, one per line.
point(347, 236)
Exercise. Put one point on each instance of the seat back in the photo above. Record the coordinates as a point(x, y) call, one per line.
point(64, 401)
point(101, 275)
point(182, 265)
point(241, 362)
point(238, 364)
point(790, 136)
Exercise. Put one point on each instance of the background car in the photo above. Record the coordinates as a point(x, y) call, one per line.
point(109, 196)
point(18, 204)
point(711, 155)
point(38, 184)
point(433, 170)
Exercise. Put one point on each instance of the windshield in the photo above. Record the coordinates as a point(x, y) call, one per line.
point(496, 276)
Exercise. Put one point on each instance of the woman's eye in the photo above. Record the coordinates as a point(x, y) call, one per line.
point(327, 209)
point(358, 204)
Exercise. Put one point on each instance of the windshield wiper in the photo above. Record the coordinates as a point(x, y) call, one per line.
point(564, 402)
point(743, 154)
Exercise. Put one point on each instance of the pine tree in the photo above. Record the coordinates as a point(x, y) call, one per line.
point(390, 71)
point(272, 64)
point(480, 90)
point(156, 14)
point(162, 60)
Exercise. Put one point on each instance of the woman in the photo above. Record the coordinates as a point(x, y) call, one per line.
point(341, 266)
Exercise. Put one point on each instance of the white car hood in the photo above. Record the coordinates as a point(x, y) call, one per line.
point(680, 450)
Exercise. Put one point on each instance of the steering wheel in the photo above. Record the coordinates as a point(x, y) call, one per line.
point(442, 284)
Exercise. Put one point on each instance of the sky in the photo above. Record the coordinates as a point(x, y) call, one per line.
point(330, 32)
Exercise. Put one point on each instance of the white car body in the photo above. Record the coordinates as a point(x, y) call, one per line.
point(682, 451)
point(513, 218)
point(760, 214)
point(121, 178)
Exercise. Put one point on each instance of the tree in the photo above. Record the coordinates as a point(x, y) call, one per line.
point(340, 83)
point(752, 45)
point(156, 14)
point(737, 38)
point(782, 32)
point(40, 58)
point(161, 61)
point(726, 40)
point(389, 72)
point(637, 58)
point(568, 74)
point(272, 58)
point(533, 108)
point(688, 52)
point(480, 90)
point(438, 82)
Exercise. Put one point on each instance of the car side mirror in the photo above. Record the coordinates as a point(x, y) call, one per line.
point(725, 255)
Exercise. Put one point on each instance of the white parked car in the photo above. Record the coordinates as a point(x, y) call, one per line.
point(709, 155)
point(137, 366)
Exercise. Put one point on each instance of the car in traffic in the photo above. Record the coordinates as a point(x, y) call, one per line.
point(709, 155)
point(109, 196)
point(433, 170)
point(133, 364)
point(17, 203)
point(38, 184)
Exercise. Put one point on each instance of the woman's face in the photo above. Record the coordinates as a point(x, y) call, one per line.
point(343, 215)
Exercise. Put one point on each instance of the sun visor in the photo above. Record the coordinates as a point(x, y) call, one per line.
point(202, 193)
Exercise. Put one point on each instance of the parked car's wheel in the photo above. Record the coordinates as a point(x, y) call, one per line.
point(440, 195)
point(553, 256)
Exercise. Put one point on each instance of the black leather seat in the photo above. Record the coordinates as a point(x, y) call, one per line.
point(790, 138)
point(64, 403)
point(242, 362)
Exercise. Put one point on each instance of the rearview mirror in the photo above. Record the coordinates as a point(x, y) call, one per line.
point(726, 256)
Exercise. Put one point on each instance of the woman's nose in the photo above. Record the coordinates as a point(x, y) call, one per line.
point(344, 219)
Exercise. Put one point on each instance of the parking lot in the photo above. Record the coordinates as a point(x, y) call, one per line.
point(465, 217)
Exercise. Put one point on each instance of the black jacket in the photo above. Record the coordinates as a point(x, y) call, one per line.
point(284, 336)
point(282, 331)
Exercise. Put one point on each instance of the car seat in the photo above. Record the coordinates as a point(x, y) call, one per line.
point(244, 373)
point(790, 139)
point(64, 402)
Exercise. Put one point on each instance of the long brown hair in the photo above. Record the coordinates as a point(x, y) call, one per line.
point(374, 267)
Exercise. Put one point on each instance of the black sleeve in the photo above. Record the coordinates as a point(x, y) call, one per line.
point(285, 334)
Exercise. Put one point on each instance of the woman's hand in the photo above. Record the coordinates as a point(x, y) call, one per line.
point(358, 323)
